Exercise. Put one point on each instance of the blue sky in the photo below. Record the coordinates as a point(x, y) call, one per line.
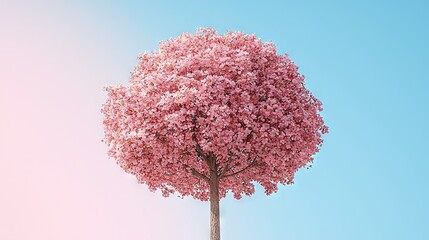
point(365, 60)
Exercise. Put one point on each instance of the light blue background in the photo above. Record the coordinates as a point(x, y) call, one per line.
point(367, 62)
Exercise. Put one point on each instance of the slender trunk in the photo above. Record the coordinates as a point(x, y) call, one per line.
point(214, 209)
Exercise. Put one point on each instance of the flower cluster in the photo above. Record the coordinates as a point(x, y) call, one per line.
point(230, 96)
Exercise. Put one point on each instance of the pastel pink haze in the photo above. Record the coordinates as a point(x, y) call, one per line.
point(56, 182)
point(229, 96)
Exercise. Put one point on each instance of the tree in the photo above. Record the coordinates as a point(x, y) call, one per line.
point(209, 114)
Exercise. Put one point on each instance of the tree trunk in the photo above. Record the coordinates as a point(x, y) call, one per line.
point(214, 209)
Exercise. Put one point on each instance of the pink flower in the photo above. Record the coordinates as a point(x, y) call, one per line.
point(228, 98)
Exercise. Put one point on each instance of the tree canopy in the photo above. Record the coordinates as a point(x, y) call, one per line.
point(207, 105)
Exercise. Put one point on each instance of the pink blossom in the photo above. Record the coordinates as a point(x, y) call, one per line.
point(231, 96)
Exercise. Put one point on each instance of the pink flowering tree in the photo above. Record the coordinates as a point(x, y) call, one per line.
point(208, 114)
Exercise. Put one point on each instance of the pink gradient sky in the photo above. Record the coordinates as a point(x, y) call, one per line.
point(56, 180)
point(368, 182)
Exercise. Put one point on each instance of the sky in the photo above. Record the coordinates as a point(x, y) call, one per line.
point(365, 60)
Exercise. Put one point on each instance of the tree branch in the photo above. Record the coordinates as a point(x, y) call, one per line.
point(210, 157)
point(197, 174)
point(251, 165)
point(198, 149)
point(223, 170)
point(212, 162)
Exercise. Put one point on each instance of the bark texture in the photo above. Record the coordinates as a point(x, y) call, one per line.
point(214, 207)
